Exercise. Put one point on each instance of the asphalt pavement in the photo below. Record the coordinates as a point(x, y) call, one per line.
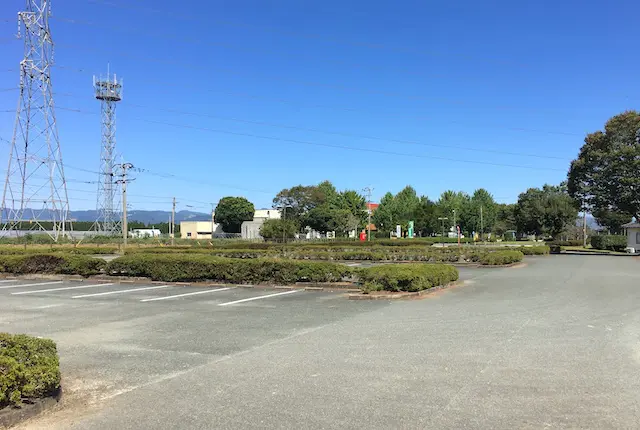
point(552, 344)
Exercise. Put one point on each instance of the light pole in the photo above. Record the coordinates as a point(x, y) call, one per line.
point(443, 219)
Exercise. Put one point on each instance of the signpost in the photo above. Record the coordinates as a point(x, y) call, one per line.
point(410, 232)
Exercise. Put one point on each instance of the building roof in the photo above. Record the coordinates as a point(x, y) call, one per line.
point(372, 206)
point(632, 225)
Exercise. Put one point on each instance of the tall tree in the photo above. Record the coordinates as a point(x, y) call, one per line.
point(396, 210)
point(545, 211)
point(606, 174)
point(426, 217)
point(480, 211)
point(505, 219)
point(231, 212)
point(451, 206)
point(296, 201)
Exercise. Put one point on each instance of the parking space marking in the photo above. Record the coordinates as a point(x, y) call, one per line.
point(184, 295)
point(7, 280)
point(60, 289)
point(258, 298)
point(31, 285)
point(121, 291)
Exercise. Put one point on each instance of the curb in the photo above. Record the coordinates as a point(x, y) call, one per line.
point(11, 416)
point(403, 295)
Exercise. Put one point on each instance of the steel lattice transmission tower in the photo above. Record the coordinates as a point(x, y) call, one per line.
point(109, 92)
point(35, 190)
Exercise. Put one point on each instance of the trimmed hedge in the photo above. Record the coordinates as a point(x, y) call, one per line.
point(609, 242)
point(29, 368)
point(406, 277)
point(189, 267)
point(50, 249)
point(51, 264)
point(499, 258)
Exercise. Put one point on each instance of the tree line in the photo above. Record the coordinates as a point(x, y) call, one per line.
point(604, 180)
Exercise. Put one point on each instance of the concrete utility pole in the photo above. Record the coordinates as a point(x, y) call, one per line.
point(368, 190)
point(481, 225)
point(443, 219)
point(123, 182)
point(173, 222)
point(212, 219)
point(584, 226)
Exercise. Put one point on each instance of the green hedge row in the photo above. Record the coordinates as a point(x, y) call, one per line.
point(609, 242)
point(186, 267)
point(51, 249)
point(426, 254)
point(406, 277)
point(51, 264)
point(498, 258)
point(29, 368)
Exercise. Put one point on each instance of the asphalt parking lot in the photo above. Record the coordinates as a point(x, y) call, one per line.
point(553, 344)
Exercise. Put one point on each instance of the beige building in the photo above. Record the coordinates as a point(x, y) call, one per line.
point(198, 229)
point(202, 229)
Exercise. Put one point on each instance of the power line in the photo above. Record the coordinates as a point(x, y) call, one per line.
point(332, 132)
point(313, 84)
point(351, 148)
point(336, 108)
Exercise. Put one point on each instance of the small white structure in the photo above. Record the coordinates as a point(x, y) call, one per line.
point(144, 232)
point(633, 237)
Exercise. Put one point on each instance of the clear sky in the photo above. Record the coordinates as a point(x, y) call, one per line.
point(252, 78)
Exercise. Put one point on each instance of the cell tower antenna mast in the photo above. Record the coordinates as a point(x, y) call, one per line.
point(35, 191)
point(109, 91)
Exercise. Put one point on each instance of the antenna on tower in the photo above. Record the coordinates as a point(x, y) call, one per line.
point(109, 91)
point(35, 191)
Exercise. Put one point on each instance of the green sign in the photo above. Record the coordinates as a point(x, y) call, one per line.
point(410, 232)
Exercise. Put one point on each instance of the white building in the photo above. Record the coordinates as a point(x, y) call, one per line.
point(633, 236)
point(251, 229)
point(144, 232)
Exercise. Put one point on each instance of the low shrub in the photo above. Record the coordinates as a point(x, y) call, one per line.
point(193, 267)
point(609, 242)
point(29, 368)
point(406, 277)
point(51, 264)
point(567, 242)
point(54, 249)
point(534, 250)
point(498, 258)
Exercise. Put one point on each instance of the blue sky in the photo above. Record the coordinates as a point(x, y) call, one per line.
point(501, 76)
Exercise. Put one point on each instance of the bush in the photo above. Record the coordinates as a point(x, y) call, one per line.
point(193, 267)
point(566, 242)
point(609, 242)
point(498, 258)
point(534, 250)
point(29, 368)
point(51, 264)
point(50, 249)
point(406, 277)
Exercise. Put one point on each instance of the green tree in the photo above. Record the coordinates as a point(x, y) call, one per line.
point(480, 210)
point(297, 201)
point(606, 174)
point(505, 219)
point(610, 219)
point(277, 229)
point(545, 211)
point(451, 205)
point(398, 209)
point(231, 212)
point(426, 217)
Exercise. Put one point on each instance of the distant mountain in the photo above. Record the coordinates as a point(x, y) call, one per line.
point(147, 217)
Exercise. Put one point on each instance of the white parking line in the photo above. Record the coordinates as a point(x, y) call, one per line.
point(258, 298)
point(121, 291)
point(31, 285)
point(60, 289)
point(7, 280)
point(184, 295)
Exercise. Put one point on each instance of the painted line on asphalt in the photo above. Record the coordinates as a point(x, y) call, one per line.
point(184, 295)
point(121, 291)
point(258, 298)
point(7, 280)
point(31, 285)
point(60, 289)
